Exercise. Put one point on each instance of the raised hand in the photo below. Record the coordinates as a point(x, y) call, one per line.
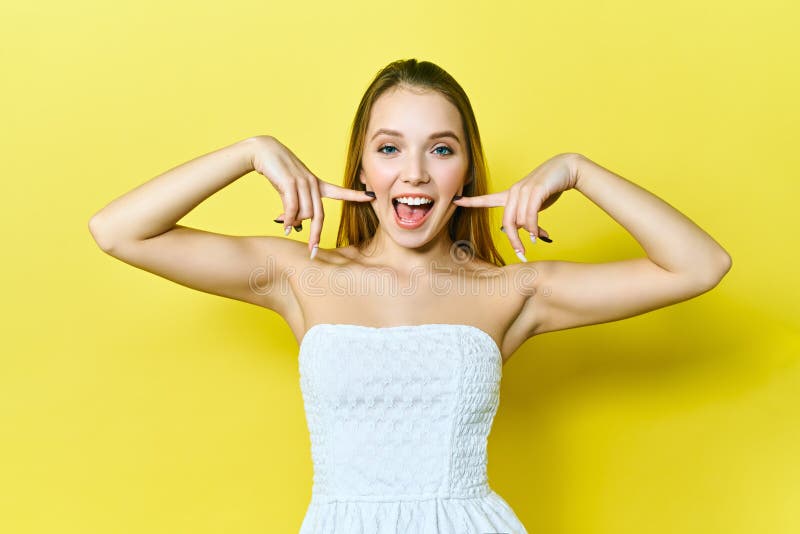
point(526, 198)
point(301, 191)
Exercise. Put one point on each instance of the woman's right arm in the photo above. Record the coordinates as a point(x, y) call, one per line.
point(140, 229)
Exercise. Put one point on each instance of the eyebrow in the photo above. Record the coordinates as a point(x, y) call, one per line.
point(435, 135)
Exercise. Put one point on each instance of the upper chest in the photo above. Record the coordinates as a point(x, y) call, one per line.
point(489, 299)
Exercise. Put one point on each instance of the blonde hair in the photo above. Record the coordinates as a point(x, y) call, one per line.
point(468, 227)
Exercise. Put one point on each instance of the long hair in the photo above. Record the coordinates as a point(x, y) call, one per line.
point(468, 227)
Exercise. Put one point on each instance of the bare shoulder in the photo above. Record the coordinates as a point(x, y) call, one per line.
point(274, 262)
point(525, 276)
point(526, 282)
point(287, 260)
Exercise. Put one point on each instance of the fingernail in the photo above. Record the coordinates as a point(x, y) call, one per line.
point(458, 197)
point(314, 250)
point(298, 227)
point(502, 229)
point(370, 193)
point(545, 239)
point(533, 238)
point(278, 220)
point(521, 256)
point(287, 230)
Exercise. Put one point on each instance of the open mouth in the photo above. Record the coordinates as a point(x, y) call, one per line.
point(411, 212)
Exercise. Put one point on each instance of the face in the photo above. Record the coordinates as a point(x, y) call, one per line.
point(415, 146)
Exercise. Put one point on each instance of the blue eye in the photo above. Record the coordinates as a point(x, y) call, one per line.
point(449, 151)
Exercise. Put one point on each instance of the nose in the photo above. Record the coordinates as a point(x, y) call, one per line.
point(415, 171)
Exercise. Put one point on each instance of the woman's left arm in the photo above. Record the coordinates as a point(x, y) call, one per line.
point(682, 261)
point(670, 239)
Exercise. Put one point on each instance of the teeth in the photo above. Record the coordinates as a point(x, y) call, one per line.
point(412, 201)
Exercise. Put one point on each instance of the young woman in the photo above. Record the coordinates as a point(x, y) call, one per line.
point(404, 326)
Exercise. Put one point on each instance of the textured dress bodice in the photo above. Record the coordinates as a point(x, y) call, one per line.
point(399, 419)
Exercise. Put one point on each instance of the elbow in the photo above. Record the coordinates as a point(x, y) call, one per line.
point(100, 237)
point(715, 274)
point(725, 264)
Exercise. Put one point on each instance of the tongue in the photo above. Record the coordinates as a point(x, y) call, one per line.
point(412, 213)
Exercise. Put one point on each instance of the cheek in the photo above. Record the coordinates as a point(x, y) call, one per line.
point(380, 176)
point(453, 176)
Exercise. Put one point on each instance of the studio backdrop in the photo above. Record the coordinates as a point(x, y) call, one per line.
point(130, 404)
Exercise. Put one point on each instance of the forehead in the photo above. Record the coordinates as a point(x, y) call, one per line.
point(414, 112)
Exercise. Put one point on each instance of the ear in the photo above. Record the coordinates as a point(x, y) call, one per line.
point(361, 176)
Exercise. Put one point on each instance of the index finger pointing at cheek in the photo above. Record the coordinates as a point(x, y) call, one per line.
point(342, 193)
point(483, 201)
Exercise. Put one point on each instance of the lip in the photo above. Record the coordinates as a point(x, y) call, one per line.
point(411, 226)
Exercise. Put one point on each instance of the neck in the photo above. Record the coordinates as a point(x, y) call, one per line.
point(433, 255)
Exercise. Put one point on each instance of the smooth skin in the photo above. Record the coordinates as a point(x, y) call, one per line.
point(140, 228)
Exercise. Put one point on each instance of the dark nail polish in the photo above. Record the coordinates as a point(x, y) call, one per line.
point(545, 239)
point(370, 193)
point(458, 197)
point(278, 220)
point(298, 227)
point(502, 229)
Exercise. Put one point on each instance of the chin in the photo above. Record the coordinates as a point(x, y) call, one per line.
point(412, 242)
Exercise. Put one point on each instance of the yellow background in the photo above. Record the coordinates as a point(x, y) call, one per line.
point(130, 404)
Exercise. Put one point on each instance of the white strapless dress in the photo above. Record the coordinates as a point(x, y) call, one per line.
point(399, 418)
